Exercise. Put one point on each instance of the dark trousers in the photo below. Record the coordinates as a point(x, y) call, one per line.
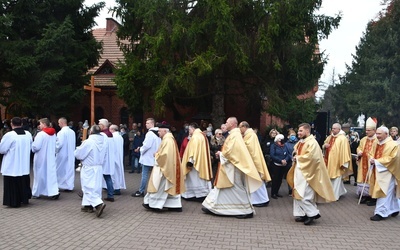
point(355, 170)
point(16, 190)
point(278, 172)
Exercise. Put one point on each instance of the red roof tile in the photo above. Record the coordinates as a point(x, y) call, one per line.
point(111, 52)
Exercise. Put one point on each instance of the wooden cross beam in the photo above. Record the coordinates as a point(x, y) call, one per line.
point(92, 90)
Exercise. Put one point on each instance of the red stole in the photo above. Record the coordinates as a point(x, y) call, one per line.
point(331, 142)
point(378, 154)
point(365, 164)
point(301, 144)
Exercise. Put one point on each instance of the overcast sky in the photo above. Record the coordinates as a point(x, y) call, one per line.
point(342, 42)
point(339, 46)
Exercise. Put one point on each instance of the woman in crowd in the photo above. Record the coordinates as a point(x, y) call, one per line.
point(291, 141)
point(280, 158)
point(216, 143)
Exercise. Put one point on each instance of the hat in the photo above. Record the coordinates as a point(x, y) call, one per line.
point(279, 137)
point(346, 125)
point(103, 122)
point(371, 123)
point(164, 124)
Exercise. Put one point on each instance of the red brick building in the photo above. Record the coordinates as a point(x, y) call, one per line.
point(108, 105)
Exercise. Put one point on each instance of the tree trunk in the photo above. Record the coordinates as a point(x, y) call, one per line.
point(218, 105)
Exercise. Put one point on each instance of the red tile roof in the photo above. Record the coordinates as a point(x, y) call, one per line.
point(111, 52)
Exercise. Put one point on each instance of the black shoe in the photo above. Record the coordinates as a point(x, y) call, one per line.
point(55, 197)
point(88, 209)
point(138, 194)
point(274, 196)
point(205, 210)
point(117, 192)
point(280, 196)
point(99, 209)
point(364, 199)
point(290, 192)
point(131, 172)
point(308, 221)
point(394, 214)
point(175, 209)
point(371, 202)
point(244, 216)
point(376, 217)
point(301, 219)
point(147, 206)
point(317, 216)
point(265, 204)
point(109, 199)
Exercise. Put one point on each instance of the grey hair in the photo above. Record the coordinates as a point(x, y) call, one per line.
point(384, 129)
point(95, 129)
point(114, 127)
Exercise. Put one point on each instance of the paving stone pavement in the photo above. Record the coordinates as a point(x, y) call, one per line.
point(125, 224)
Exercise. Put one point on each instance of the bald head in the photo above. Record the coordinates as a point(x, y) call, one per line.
point(113, 128)
point(336, 128)
point(382, 133)
point(62, 122)
point(243, 126)
point(231, 123)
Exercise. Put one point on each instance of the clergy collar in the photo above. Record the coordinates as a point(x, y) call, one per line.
point(19, 131)
point(384, 141)
point(341, 132)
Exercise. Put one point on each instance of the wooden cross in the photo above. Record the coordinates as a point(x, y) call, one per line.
point(92, 90)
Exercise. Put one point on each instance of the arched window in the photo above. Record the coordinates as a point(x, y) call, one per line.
point(124, 116)
point(98, 114)
point(85, 114)
point(12, 110)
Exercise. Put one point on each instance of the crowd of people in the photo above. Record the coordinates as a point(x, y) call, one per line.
point(227, 169)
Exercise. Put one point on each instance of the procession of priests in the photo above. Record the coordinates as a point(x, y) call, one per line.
point(228, 180)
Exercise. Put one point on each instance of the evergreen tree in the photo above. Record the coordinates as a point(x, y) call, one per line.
point(46, 48)
point(371, 84)
point(187, 49)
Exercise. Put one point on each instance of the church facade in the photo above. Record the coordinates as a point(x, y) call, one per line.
point(109, 106)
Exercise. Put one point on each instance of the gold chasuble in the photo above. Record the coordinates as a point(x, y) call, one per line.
point(337, 155)
point(310, 161)
point(198, 149)
point(167, 158)
point(235, 151)
point(387, 154)
point(253, 145)
point(366, 147)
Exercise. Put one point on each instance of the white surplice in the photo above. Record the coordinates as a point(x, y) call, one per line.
point(65, 160)
point(109, 164)
point(195, 186)
point(161, 199)
point(338, 187)
point(16, 150)
point(92, 152)
point(260, 196)
point(388, 205)
point(44, 165)
point(307, 206)
point(119, 176)
point(230, 201)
